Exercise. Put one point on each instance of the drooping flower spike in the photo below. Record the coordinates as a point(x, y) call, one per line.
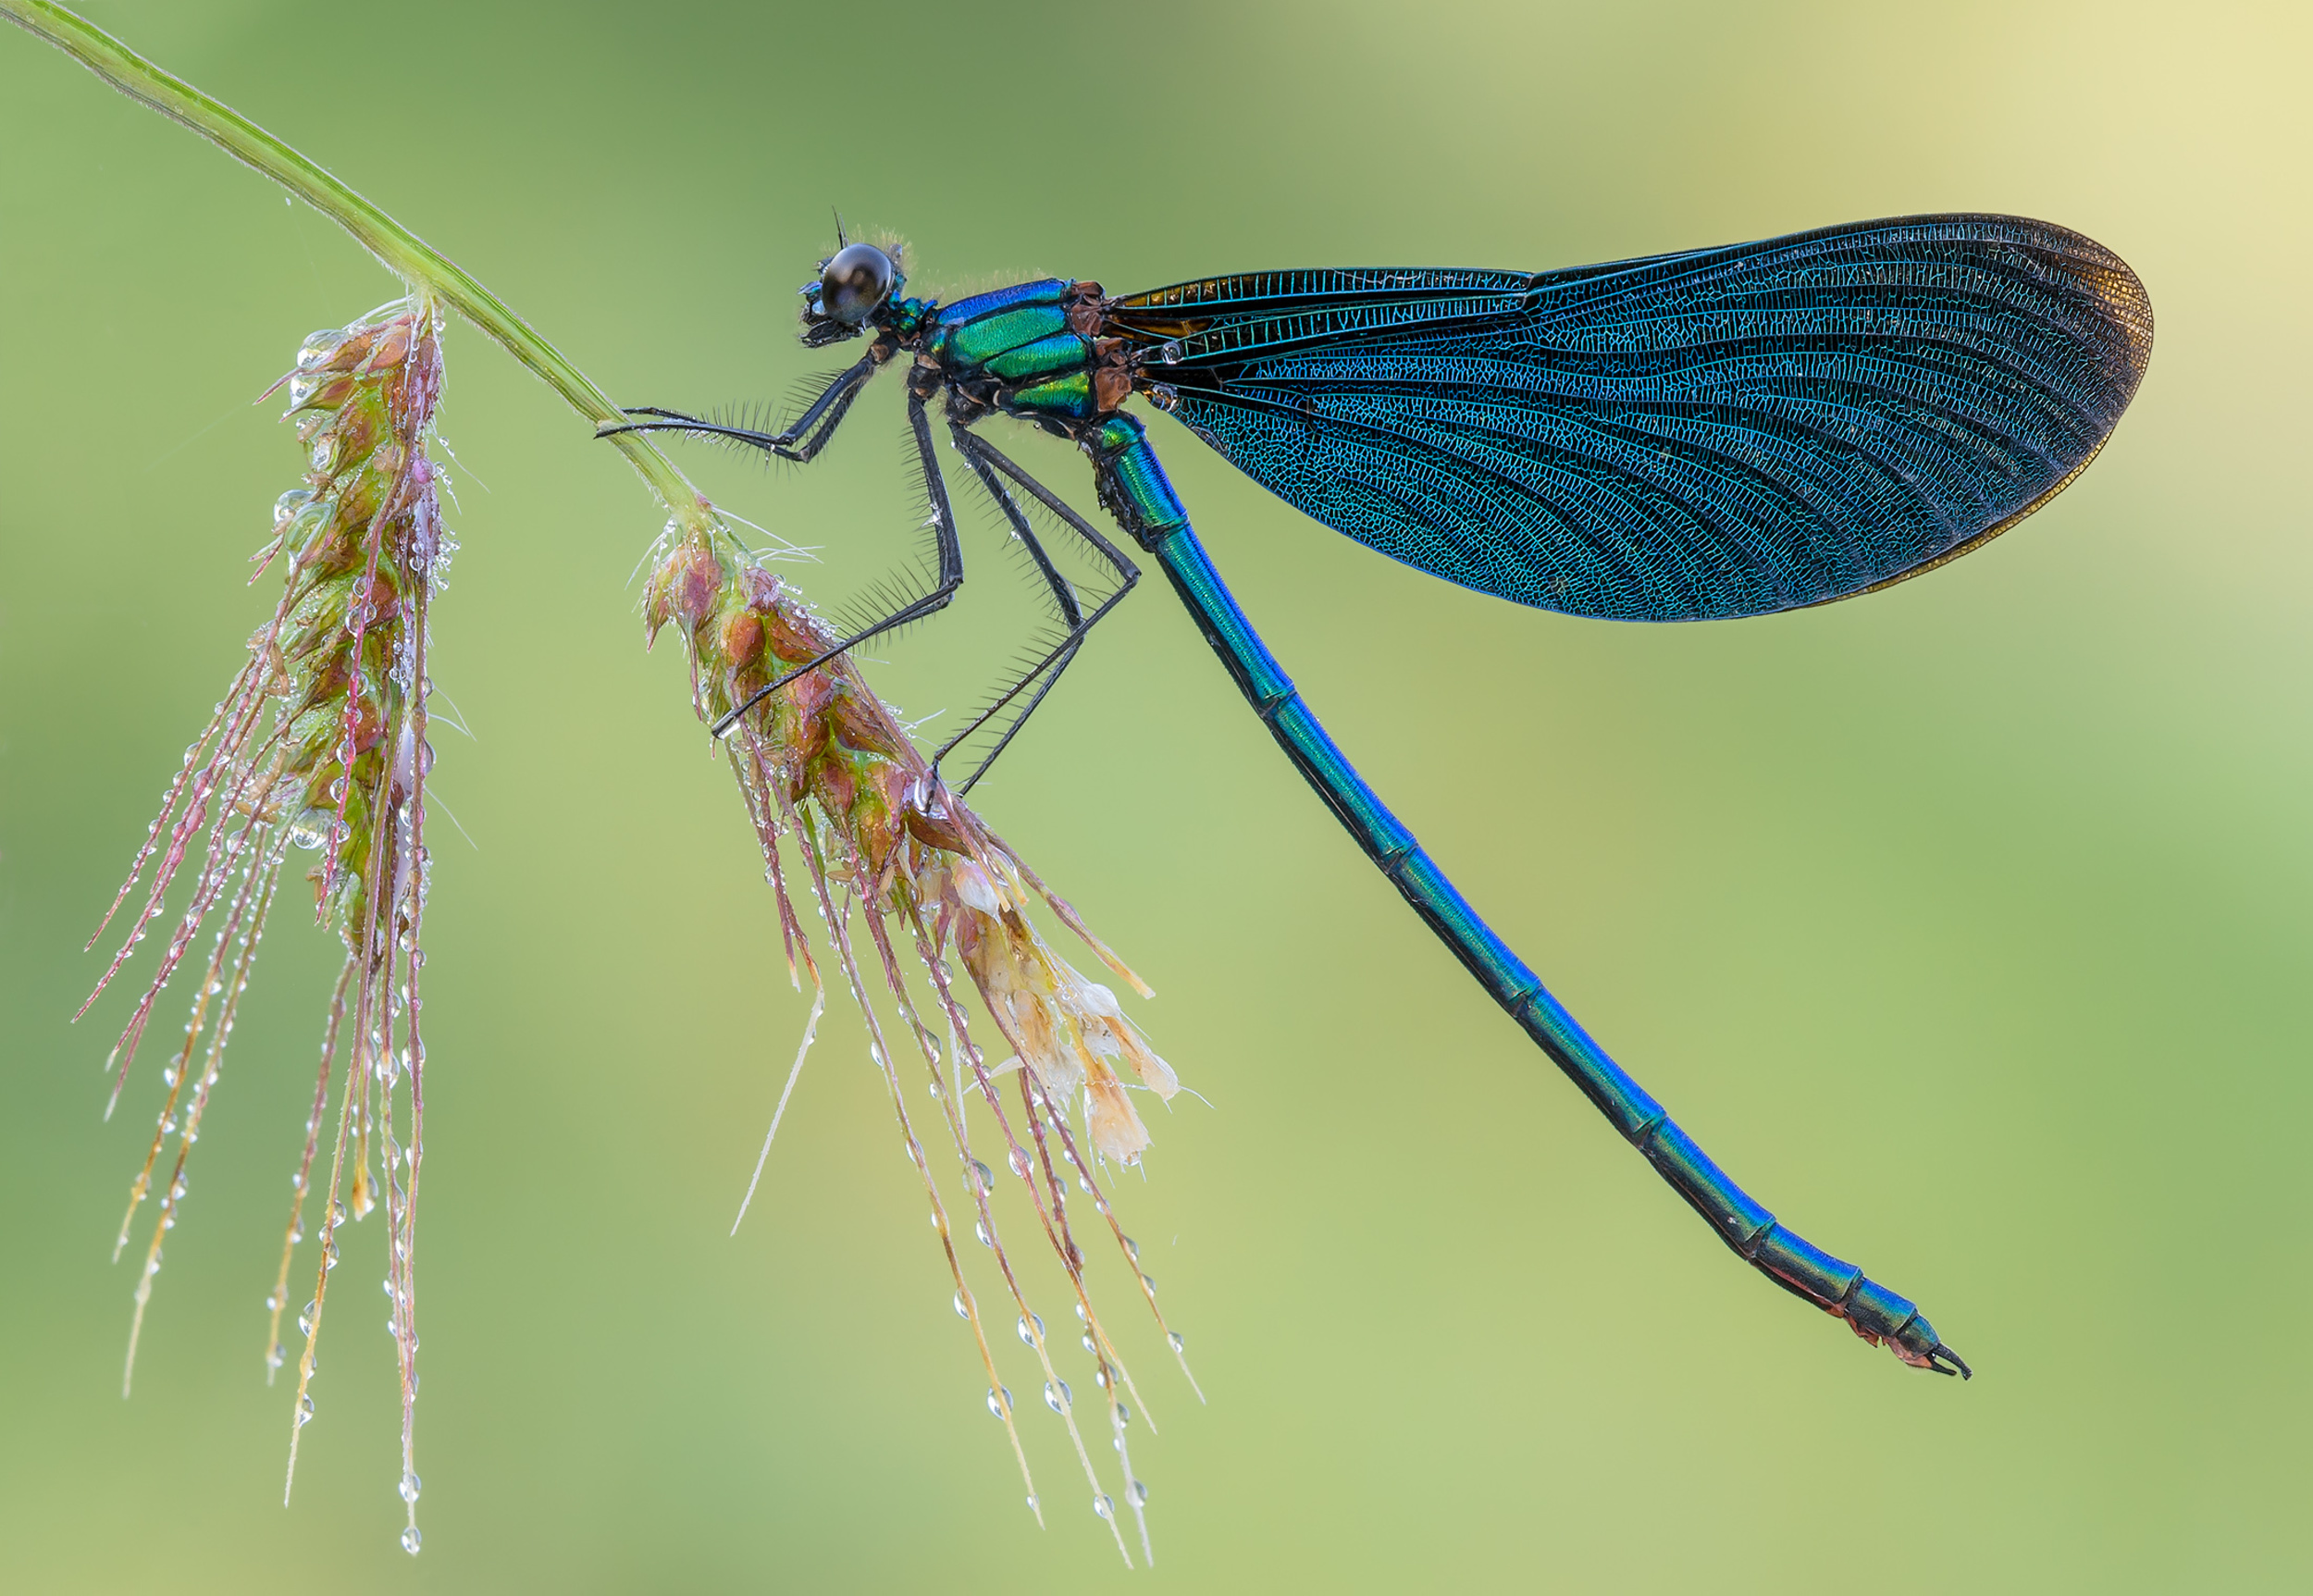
point(319, 744)
point(826, 765)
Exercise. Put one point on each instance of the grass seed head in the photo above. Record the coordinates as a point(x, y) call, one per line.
point(319, 745)
point(824, 765)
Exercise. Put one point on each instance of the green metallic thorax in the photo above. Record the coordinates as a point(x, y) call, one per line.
point(1025, 351)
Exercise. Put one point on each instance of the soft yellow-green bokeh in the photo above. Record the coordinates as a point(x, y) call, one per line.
point(1965, 924)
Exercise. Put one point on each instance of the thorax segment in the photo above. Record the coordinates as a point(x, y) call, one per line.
point(1031, 349)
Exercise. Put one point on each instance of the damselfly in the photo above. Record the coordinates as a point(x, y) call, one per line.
point(1687, 437)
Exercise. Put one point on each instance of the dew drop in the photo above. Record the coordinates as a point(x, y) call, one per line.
point(980, 1229)
point(411, 1485)
point(1021, 1165)
point(305, 1319)
point(981, 1178)
point(1148, 1285)
point(304, 1409)
point(998, 1405)
point(318, 347)
point(412, 1541)
point(1027, 1337)
point(1104, 1507)
point(1133, 1249)
point(1177, 1340)
point(1032, 1504)
point(1057, 1395)
point(1087, 1339)
point(962, 1311)
point(1137, 1495)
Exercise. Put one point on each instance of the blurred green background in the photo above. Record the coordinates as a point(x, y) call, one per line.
point(1966, 925)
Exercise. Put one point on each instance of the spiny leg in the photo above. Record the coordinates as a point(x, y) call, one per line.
point(813, 428)
point(951, 573)
point(986, 461)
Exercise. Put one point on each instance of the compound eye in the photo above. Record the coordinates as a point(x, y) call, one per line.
point(854, 283)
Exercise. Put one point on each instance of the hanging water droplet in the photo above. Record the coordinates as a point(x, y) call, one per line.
point(1032, 1504)
point(1148, 1285)
point(1026, 1338)
point(1100, 1377)
point(1081, 1317)
point(318, 347)
point(390, 1292)
point(1177, 1339)
point(980, 1229)
point(1057, 1395)
point(411, 1485)
point(933, 1087)
point(1085, 1185)
point(979, 1178)
point(1087, 1339)
point(412, 1541)
point(1171, 351)
point(1133, 1249)
point(1104, 1507)
point(1000, 1405)
point(274, 1359)
point(1021, 1164)
point(1124, 1416)
point(304, 1409)
point(963, 1312)
point(169, 1076)
point(1137, 1495)
point(336, 1215)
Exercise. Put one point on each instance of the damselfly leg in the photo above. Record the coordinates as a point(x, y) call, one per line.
point(812, 429)
point(952, 571)
point(987, 461)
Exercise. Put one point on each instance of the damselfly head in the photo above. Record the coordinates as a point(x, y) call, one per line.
point(854, 283)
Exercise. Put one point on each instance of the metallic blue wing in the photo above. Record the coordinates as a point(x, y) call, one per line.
point(1725, 432)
